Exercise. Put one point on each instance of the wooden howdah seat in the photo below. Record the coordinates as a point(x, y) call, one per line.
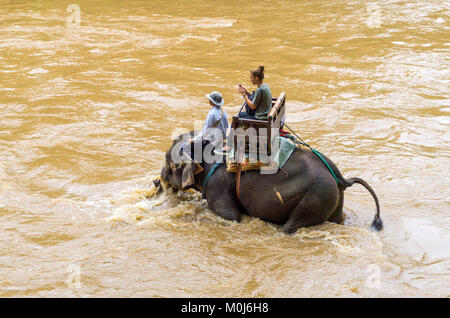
point(275, 119)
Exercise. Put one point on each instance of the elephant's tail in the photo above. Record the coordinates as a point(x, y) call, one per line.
point(377, 223)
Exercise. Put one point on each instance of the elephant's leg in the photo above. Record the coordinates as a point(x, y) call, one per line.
point(310, 211)
point(338, 214)
point(226, 208)
point(229, 214)
point(296, 221)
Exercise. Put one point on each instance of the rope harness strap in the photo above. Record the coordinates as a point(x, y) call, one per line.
point(240, 157)
point(208, 176)
point(317, 153)
point(238, 181)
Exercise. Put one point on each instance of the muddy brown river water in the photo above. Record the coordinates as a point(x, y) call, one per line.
point(91, 92)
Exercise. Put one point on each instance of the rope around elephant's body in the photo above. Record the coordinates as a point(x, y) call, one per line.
point(208, 176)
point(317, 153)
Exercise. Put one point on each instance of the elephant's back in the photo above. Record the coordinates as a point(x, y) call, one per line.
point(272, 197)
point(303, 163)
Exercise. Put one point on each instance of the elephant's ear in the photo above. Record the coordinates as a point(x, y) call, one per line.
point(187, 178)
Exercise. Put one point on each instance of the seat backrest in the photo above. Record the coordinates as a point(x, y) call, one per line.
point(273, 121)
point(277, 112)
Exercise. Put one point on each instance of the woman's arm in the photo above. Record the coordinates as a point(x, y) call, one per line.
point(246, 95)
point(249, 101)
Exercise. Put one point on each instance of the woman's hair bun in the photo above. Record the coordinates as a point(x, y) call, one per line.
point(259, 72)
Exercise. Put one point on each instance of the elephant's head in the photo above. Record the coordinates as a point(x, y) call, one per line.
point(181, 175)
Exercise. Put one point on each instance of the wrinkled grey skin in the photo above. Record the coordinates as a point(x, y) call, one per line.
point(303, 193)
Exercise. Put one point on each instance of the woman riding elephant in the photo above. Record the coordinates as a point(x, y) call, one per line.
point(258, 104)
point(305, 193)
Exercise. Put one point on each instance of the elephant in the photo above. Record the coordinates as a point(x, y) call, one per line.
point(301, 194)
